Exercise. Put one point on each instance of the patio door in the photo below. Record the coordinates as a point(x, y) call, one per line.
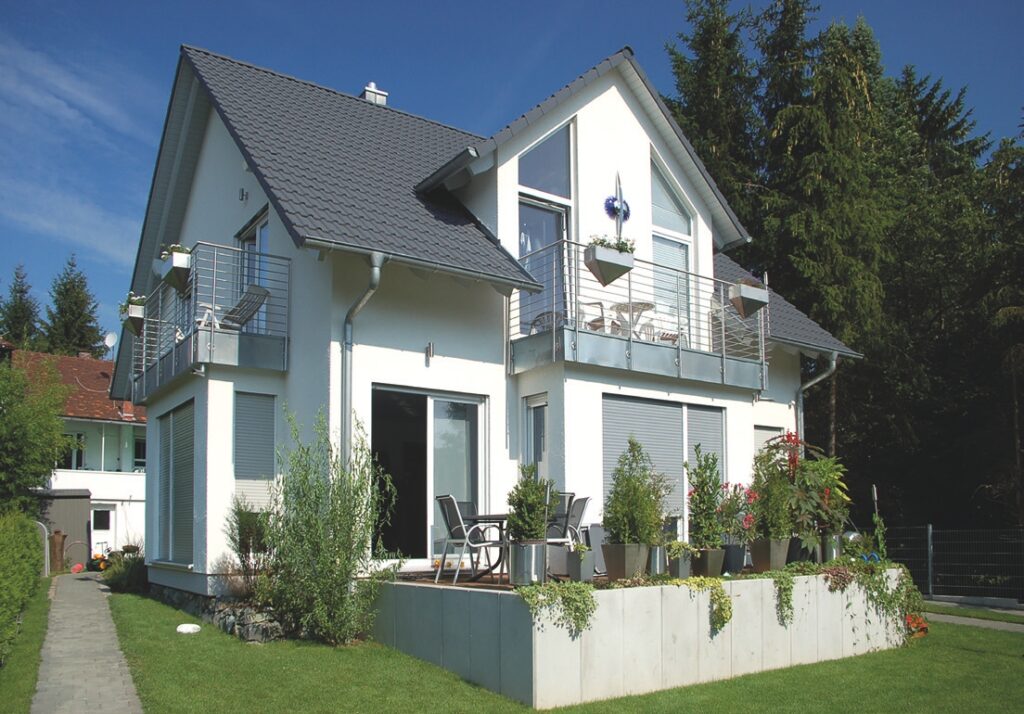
point(430, 445)
point(542, 230)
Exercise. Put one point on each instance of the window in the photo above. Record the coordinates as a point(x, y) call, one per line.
point(667, 210)
point(74, 457)
point(764, 434)
point(254, 242)
point(541, 236)
point(175, 484)
point(139, 460)
point(254, 447)
point(101, 520)
point(536, 442)
point(671, 251)
point(545, 167)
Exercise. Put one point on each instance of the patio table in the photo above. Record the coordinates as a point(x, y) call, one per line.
point(636, 310)
point(497, 519)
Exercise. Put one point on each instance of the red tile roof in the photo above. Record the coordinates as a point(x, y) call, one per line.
point(89, 380)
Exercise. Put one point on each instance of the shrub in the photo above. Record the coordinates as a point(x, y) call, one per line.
point(528, 514)
point(21, 560)
point(322, 576)
point(246, 531)
point(735, 515)
point(127, 572)
point(634, 509)
point(705, 496)
point(771, 483)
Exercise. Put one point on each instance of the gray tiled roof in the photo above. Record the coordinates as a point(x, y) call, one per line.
point(341, 169)
point(785, 322)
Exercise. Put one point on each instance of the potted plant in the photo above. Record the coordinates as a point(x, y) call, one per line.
point(747, 296)
point(736, 521)
point(608, 259)
point(527, 527)
point(580, 563)
point(704, 497)
point(834, 503)
point(774, 526)
point(680, 555)
point(176, 265)
point(133, 313)
point(632, 512)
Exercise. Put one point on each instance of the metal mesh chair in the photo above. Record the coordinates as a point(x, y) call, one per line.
point(472, 539)
point(559, 506)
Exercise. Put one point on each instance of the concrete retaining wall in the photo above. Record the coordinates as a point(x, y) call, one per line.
point(639, 640)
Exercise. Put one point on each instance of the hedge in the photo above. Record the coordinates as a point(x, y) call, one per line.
point(21, 561)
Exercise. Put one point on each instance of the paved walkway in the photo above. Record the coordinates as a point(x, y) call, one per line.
point(974, 622)
point(82, 669)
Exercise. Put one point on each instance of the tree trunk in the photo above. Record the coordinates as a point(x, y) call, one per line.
point(1019, 475)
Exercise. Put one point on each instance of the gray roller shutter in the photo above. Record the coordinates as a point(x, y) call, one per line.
point(704, 426)
point(182, 483)
point(254, 447)
point(762, 434)
point(658, 426)
point(164, 484)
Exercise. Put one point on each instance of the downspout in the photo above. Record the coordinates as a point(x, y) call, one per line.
point(376, 263)
point(833, 361)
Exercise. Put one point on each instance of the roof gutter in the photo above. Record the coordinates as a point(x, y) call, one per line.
point(460, 161)
point(833, 361)
point(376, 264)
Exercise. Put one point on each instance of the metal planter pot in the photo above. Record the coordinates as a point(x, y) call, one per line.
point(624, 560)
point(831, 547)
point(769, 554)
point(133, 318)
point(607, 264)
point(175, 270)
point(679, 567)
point(708, 562)
point(797, 553)
point(657, 560)
point(528, 562)
point(732, 561)
point(581, 566)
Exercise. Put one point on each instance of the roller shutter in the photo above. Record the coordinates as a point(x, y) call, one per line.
point(705, 426)
point(182, 482)
point(254, 447)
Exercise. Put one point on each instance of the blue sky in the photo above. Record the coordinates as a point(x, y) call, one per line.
point(84, 86)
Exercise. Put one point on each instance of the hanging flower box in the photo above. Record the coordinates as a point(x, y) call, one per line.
point(607, 263)
point(175, 267)
point(133, 313)
point(747, 299)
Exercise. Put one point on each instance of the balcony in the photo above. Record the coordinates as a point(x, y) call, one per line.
point(654, 319)
point(230, 308)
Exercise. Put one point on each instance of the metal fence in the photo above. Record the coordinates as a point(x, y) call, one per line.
point(979, 563)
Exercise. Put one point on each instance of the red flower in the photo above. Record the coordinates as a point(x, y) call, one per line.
point(748, 521)
point(751, 495)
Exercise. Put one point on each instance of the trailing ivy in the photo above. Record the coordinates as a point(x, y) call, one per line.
point(783, 581)
point(571, 604)
point(721, 603)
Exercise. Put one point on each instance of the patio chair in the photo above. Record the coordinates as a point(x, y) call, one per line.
point(560, 505)
point(576, 511)
point(471, 539)
point(237, 317)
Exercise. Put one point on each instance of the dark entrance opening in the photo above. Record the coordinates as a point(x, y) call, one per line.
point(399, 442)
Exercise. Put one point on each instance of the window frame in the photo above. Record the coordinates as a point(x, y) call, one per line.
point(530, 406)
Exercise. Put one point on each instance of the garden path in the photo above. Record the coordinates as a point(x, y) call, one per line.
point(975, 622)
point(82, 668)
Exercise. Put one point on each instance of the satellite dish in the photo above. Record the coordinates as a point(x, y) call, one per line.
point(110, 340)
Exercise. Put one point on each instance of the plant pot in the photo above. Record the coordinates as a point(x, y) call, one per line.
point(176, 269)
point(798, 553)
point(607, 264)
point(732, 562)
point(679, 567)
point(134, 318)
point(581, 566)
point(747, 299)
point(831, 547)
point(624, 560)
point(769, 554)
point(528, 562)
point(708, 562)
point(657, 560)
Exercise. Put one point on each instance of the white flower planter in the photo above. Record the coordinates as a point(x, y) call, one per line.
point(175, 270)
point(747, 299)
point(607, 264)
point(134, 318)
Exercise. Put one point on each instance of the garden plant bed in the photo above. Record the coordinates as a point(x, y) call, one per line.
point(639, 640)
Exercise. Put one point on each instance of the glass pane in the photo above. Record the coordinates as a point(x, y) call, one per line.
point(545, 167)
point(455, 459)
point(540, 251)
point(537, 447)
point(667, 210)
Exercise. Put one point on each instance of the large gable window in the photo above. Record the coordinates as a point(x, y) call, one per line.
point(668, 211)
point(545, 167)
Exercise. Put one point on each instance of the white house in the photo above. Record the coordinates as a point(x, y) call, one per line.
point(431, 284)
point(108, 457)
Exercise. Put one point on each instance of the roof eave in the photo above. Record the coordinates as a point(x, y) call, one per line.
point(817, 349)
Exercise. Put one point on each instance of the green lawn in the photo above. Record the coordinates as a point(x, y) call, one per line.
point(977, 613)
point(954, 669)
point(18, 675)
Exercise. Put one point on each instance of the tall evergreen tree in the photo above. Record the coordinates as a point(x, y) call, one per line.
point(71, 324)
point(19, 313)
point(715, 87)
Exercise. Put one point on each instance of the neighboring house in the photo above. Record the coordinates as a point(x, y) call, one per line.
point(431, 284)
point(108, 456)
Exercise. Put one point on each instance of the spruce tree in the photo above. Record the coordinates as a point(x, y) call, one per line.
point(71, 324)
point(19, 313)
point(714, 105)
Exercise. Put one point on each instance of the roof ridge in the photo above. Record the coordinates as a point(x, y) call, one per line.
point(323, 88)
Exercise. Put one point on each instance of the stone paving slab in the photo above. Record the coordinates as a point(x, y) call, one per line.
point(82, 668)
point(974, 622)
